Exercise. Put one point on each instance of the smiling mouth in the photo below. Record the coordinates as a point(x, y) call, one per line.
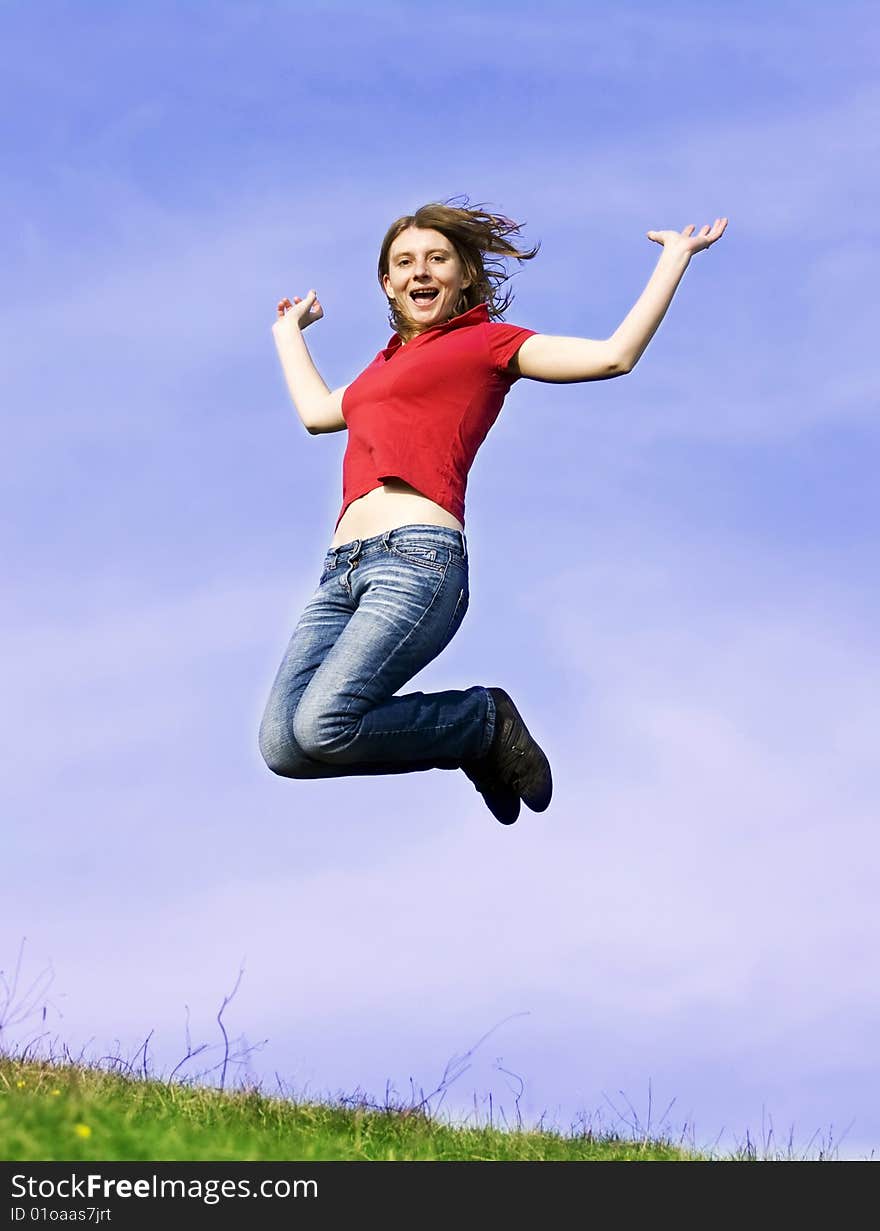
point(424, 298)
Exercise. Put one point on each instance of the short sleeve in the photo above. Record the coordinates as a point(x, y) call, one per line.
point(504, 341)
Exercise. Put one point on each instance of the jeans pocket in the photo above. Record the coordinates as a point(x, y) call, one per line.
point(436, 558)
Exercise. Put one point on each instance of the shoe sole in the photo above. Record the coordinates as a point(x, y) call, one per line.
point(502, 801)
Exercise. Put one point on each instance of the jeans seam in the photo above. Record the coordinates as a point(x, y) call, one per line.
point(448, 634)
point(491, 717)
point(443, 726)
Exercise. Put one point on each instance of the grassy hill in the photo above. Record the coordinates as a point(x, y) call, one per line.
point(51, 1111)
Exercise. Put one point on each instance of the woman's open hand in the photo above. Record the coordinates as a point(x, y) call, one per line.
point(299, 314)
point(686, 242)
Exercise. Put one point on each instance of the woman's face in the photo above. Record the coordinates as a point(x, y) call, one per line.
point(424, 259)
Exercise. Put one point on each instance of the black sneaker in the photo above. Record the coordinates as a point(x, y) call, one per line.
point(502, 801)
point(515, 759)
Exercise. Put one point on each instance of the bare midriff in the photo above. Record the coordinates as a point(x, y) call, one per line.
point(393, 504)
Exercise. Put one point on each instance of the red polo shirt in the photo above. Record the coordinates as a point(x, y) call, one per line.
point(420, 411)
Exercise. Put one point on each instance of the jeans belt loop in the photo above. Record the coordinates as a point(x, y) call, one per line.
point(463, 544)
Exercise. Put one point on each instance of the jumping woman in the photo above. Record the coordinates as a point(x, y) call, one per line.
point(394, 587)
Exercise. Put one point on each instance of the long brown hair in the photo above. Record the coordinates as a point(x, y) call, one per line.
point(472, 233)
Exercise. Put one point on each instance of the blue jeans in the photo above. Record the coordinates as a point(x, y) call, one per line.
point(384, 608)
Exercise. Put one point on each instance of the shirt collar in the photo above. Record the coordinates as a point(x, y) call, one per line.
point(473, 316)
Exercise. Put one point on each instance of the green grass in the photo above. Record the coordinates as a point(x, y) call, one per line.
point(68, 1108)
point(74, 1112)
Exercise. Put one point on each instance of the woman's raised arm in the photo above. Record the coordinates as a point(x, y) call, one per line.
point(318, 408)
point(640, 324)
point(566, 360)
point(560, 361)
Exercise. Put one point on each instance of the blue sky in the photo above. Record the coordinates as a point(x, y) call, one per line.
point(673, 574)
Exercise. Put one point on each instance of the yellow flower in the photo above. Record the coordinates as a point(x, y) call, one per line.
point(82, 1130)
point(56, 1091)
point(19, 1084)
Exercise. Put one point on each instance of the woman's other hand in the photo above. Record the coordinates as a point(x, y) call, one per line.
point(685, 241)
point(299, 314)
